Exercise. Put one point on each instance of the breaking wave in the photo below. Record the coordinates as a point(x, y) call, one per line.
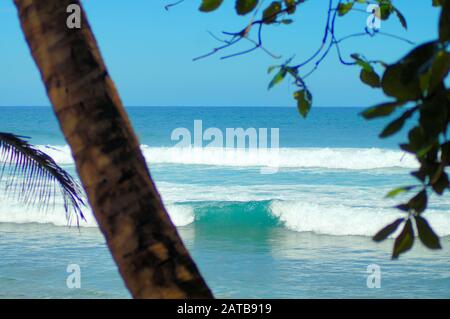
point(298, 216)
point(325, 158)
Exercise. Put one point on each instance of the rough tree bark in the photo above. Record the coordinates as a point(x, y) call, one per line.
point(143, 241)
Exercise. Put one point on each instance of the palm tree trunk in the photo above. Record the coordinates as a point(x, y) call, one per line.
point(143, 241)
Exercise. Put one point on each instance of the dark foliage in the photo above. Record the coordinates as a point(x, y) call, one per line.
point(34, 178)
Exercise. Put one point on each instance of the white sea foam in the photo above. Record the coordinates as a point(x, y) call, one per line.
point(181, 215)
point(13, 212)
point(322, 209)
point(340, 220)
point(319, 217)
point(61, 154)
point(333, 158)
point(327, 158)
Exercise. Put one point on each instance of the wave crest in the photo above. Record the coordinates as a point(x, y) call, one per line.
point(299, 216)
point(326, 158)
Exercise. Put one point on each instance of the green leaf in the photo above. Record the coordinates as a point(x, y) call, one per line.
point(445, 155)
point(444, 22)
point(417, 139)
point(441, 183)
point(362, 62)
point(386, 9)
point(396, 125)
point(344, 8)
point(387, 230)
point(271, 68)
point(399, 190)
point(370, 78)
point(278, 78)
point(419, 202)
point(380, 110)
point(292, 71)
point(304, 101)
point(402, 80)
point(407, 148)
point(403, 207)
point(439, 70)
point(401, 17)
point(393, 127)
point(271, 12)
point(245, 6)
point(424, 150)
point(404, 241)
point(290, 6)
point(434, 114)
point(425, 81)
point(287, 21)
point(210, 5)
point(426, 234)
point(394, 84)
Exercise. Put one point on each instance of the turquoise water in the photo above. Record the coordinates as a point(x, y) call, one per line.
point(302, 232)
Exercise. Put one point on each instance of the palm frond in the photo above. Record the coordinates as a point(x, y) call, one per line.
point(34, 178)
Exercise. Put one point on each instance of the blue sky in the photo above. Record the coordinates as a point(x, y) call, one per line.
point(149, 54)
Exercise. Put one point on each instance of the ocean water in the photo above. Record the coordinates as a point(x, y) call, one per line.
point(303, 231)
